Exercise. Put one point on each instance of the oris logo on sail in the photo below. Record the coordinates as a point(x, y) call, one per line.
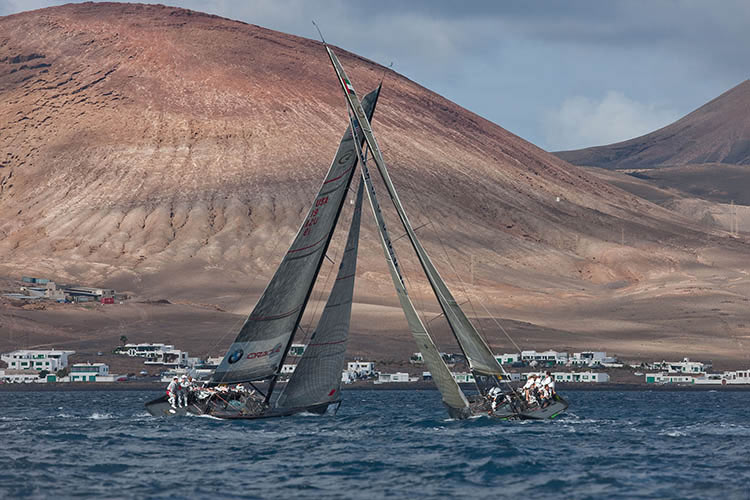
point(263, 354)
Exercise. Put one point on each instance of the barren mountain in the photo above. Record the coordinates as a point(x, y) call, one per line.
point(717, 132)
point(173, 154)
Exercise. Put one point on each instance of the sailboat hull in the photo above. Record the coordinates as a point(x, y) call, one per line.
point(160, 407)
point(479, 406)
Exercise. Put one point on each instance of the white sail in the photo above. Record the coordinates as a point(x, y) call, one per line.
point(476, 350)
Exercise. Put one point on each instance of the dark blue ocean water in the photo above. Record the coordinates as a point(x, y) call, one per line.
point(382, 444)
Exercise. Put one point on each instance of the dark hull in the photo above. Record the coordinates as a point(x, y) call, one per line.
point(479, 407)
point(160, 407)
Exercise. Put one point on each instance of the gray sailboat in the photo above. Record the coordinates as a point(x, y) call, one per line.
point(262, 344)
point(488, 373)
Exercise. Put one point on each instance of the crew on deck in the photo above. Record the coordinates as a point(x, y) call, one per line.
point(173, 392)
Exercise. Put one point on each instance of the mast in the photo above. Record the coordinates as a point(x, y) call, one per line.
point(478, 354)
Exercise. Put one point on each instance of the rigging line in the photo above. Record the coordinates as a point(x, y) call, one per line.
point(453, 268)
point(467, 295)
point(414, 229)
point(404, 277)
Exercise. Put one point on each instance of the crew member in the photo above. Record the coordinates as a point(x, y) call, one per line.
point(494, 395)
point(182, 393)
point(549, 383)
point(172, 390)
point(527, 388)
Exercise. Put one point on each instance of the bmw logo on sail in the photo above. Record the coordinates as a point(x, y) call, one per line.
point(236, 356)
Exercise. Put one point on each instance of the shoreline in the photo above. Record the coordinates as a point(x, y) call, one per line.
point(414, 386)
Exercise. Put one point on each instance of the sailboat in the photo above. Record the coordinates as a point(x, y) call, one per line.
point(496, 397)
point(262, 344)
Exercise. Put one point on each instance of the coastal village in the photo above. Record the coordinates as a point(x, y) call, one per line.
point(162, 361)
point(591, 367)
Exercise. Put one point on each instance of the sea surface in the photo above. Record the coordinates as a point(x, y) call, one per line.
point(381, 444)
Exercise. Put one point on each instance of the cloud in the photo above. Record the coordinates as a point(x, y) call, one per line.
point(581, 122)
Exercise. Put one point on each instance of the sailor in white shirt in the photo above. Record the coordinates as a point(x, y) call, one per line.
point(172, 390)
point(549, 385)
point(527, 387)
point(494, 395)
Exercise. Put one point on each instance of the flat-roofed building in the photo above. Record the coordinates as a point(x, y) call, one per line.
point(90, 372)
point(50, 360)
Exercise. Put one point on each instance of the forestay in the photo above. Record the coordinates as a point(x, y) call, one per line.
point(477, 352)
point(261, 345)
point(317, 377)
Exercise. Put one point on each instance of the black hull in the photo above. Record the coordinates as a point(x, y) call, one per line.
point(160, 407)
point(479, 407)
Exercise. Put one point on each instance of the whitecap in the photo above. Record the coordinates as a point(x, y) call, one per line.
point(100, 416)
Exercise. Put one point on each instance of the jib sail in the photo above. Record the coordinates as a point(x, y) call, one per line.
point(317, 377)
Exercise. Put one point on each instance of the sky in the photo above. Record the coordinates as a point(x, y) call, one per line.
point(561, 74)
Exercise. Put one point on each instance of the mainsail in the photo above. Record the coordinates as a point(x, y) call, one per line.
point(317, 377)
point(263, 341)
point(477, 352)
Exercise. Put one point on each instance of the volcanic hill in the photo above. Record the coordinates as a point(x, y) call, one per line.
point(173, 154)
point(717, 132)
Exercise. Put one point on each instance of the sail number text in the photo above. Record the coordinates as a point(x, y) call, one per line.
point(313, 219)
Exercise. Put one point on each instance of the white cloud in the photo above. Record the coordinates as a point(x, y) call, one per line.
point(581, 122)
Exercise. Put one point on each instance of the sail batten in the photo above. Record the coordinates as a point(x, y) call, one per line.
point(317, 376)
point(478, 354)
point(264, 339)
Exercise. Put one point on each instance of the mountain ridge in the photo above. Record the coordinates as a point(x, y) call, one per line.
point(174, 154)
point(716, 132)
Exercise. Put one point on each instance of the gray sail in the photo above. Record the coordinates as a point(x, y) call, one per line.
point(453, 397)
point(474, 347)
point(317, 377)
point(263, 341)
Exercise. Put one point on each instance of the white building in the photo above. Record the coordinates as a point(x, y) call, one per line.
point(591, 358)
point(386, 378)
point(508, 358)
point(726, 378)
point(50, 360)
point(587, 377)
point(684, 366)
point(297, 349)
point(146, 350)
point(559, 358)
point(463, 377)
point(362, 368)
point(90, 372)
point(170, 359)
point(20, 377)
